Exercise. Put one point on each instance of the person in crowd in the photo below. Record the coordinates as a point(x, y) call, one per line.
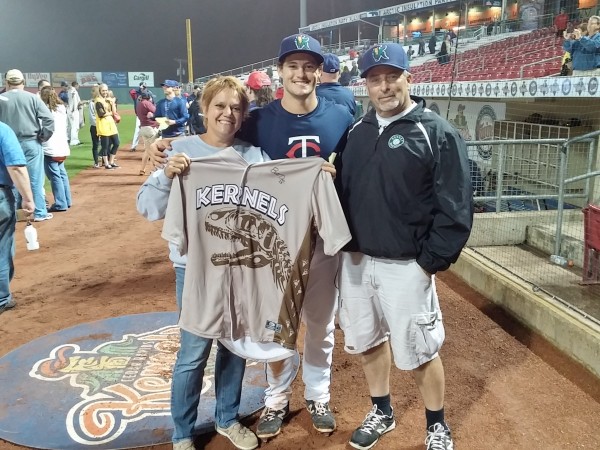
point(432, 44)
point(354, 71)
point(94, 92)
point(136, 95)
point(64, 94)
point(258, 88)
point(421, 50)
point(196, 93)
point(330, 87)
point(32, 122)
point(173, 109)
point(443, 57)
point(300, 125)
point(41, 85)
point(222, 98)
point(411, 224)
point(410, 52)
point(13, 174)
point(452, 37)
point(73, 113)
point(345, 76)
point(56, 151)
point(560, 22)
point(144, 111)
point(585, 50)
point(106, 127)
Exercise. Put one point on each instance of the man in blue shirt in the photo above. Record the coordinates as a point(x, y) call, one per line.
point(174, 109)
point(13, 173)
point(330, 87)
point(585, 50)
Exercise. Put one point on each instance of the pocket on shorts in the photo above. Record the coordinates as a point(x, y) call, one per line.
point(428, 334)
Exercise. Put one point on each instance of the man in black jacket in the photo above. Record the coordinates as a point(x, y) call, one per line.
point(404, 184)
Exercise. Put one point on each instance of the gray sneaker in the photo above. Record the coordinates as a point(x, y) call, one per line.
point(184, 444)
point(439, 438)
point(240, 436)
point(270, 421)
point(322, 417)
point(8, 305)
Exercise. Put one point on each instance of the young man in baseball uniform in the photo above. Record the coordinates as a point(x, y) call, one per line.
point(297, 126)
point(404, 185)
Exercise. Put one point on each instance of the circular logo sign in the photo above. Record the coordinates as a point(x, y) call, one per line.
point(484, 130)
point(396, 141)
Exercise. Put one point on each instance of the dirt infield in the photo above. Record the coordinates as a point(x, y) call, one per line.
point(506, 388)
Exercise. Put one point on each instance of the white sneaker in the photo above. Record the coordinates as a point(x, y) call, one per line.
point(185, 444)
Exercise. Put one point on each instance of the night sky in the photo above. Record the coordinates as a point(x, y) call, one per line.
point(147, 35)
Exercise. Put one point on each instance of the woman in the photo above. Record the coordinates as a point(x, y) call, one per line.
point(345, 76)
point(106, 127)
point(225, 104)
point(442, 56)
point(56, 150)
point(93, 132)
point(144, 110)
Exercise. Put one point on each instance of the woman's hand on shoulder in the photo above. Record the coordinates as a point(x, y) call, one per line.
point(329, 168)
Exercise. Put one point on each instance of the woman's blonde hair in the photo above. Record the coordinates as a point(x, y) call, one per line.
point(220, 83)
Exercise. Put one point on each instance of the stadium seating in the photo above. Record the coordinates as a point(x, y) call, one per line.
point(532, 55)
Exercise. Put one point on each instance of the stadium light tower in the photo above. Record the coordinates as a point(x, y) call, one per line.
point(303, 13)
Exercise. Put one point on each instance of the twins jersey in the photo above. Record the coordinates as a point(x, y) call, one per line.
point(282, 134)
point(248, 233)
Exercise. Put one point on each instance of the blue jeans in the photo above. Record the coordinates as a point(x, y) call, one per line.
point(189, 372)
point(59, 181)
point(7, 242)
point(35, 167)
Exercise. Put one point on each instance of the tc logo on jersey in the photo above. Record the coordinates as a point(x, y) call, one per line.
point(304, 146)
point(396, 141)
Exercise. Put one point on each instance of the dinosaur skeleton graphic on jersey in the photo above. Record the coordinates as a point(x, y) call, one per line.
point(262, 246)
point(248, 262)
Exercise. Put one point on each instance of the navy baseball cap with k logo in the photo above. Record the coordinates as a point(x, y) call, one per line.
point(392, 55)
point(300, 43)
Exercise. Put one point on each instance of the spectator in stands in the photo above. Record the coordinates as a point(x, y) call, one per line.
point(93, 131)
point(173, 109)
point(330, 88)
point(258, 88)
point(56, 150)
point(352, 54)
point(432, 44)
point(106, 127)
point(452, 37)
point(345, 76)
point(442, 55)
point(354, 70)
point(32, 122)
point(196, 93)
point(421, 50)
point(560, 22)
point(410, 53)
point(585, 50)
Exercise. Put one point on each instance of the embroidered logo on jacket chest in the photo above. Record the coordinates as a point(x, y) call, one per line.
point(396, 141)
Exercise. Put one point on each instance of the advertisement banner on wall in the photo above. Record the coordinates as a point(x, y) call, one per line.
point(89, 78)
point(115, 79)
point(474, 121)
point(32, 78)
point(135, 78)
point(59, 77)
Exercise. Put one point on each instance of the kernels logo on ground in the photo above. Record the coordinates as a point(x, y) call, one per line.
point(120, 382)
point(396, 141)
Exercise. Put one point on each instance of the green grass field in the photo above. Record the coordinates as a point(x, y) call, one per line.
point(81, 155)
